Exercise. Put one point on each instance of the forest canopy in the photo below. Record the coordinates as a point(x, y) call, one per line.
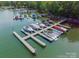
point(58, 8)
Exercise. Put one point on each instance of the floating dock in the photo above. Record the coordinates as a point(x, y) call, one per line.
point(34, 38)
point(25, 43)
point(23, 39)
point(49, 39)
point(65, 26)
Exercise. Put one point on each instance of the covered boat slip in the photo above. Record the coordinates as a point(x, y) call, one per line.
point(32, 35)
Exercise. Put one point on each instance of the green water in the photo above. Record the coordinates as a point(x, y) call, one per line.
point(66, 46)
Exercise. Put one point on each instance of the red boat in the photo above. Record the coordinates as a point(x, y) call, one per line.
point(60, 28)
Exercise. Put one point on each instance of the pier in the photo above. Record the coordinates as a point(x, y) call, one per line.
point(25, 43)
point(32, 35)
point(34, 38)
point(49, 39)
point(65, 26)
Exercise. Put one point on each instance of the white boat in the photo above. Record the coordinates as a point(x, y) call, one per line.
point(28, 29)
point(46, 23)
point(35, 26)
point(54, 34)
point(42, 25)
point(64, 29)
point(57, 31)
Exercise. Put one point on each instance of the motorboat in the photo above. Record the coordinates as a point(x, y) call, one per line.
point(50, 21)
point(53, 34)
point(46, 23)
point(28, 29)
point(19, 17)
point(35, 26)
point(42, 25)
point(60, 28)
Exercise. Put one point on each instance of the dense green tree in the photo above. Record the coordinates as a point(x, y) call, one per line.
point(59, 8)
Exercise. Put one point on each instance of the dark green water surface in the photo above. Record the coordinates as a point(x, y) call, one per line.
point(66, 46)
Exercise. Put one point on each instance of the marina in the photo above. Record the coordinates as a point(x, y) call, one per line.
point(35, 27)
point(11, 46)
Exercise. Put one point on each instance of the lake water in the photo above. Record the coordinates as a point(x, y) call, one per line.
point(67, 44)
